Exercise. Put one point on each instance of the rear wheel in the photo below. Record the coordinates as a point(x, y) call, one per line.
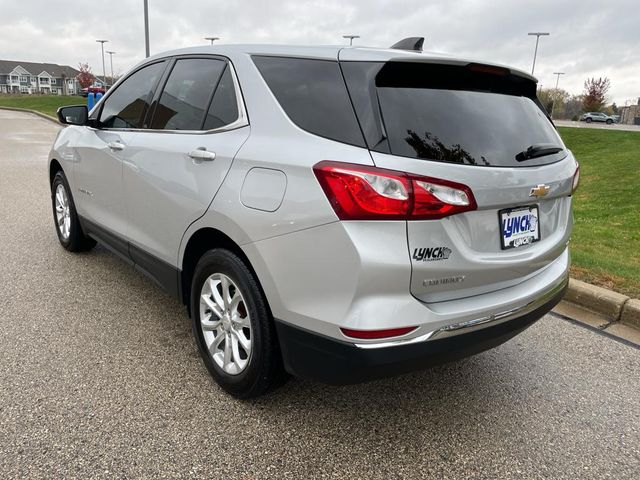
point(68, 227)
point(588, 120)
point(232, 326)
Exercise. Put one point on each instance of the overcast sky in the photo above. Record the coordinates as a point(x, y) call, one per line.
point(588, 37)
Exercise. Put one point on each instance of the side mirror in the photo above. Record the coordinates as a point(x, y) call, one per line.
point(73, 115)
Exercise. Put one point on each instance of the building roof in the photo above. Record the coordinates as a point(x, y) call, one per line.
point(7, 66)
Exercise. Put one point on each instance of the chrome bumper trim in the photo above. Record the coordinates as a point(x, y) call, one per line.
point(475, 324)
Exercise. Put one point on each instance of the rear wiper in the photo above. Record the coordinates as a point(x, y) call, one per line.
point(538, 150)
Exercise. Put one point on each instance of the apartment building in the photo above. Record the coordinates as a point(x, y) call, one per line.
point(30, 78)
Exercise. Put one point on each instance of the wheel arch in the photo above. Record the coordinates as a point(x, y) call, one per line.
point(199, 243)
point(54, 167)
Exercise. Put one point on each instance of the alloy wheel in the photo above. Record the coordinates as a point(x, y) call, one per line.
point(63, 212)
point(225, 323)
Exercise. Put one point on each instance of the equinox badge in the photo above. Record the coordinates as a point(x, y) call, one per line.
point(539, 190)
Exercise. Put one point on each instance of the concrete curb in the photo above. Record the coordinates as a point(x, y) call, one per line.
point(616, 307)
point(631, 313)
point(35, 112)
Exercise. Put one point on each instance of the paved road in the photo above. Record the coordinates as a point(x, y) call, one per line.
point(614, 126)
point(99, 378)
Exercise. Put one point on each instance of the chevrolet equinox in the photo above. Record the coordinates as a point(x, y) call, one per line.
point(338, 213)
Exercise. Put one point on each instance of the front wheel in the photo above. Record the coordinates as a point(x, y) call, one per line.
point(609, 122)
point(68, 226)
point(233, 327)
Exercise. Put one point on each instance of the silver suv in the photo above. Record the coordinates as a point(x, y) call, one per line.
point(596, 117)
point(341, 214)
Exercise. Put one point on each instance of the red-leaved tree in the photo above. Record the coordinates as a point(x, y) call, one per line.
point(595, 94)
point(85, 77)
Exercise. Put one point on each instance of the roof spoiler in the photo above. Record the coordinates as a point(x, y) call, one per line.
point(411, 43)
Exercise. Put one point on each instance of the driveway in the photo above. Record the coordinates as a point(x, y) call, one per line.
point(100, 378)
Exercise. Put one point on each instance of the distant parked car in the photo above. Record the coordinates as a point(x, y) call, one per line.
point(596, 117)
point(86, 91)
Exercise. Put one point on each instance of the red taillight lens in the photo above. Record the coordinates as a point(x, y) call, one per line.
point(435, 198)
point(358, 192)
point(576, 180)
point(377, 334)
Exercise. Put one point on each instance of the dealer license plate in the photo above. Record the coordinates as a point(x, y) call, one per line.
point(519, 226)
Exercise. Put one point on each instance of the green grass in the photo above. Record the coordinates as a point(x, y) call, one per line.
point(48, 104)
point(605, 247)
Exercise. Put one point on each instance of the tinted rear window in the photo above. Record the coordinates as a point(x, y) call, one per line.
point(313, 95)
point(187, 93)
point(449, 113)
point(224, 106)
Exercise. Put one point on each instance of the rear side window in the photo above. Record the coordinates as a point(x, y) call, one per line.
point(224, 106)
point(187, 93)
point(128, 104)
point(313, 95)
point(473, 115)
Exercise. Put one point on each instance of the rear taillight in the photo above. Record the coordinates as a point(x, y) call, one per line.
point(359, 192)
point(576, 180)
point(377, 334)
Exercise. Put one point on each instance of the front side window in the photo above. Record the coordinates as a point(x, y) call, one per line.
point(187, 94)
point(128, 104)
point(313, 95)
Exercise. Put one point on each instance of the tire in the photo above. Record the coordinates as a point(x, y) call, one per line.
point(609, 122)
point(65, 217)
point(243, 373)
point(588, 120)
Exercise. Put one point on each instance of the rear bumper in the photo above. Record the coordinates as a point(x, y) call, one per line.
point(320, 358)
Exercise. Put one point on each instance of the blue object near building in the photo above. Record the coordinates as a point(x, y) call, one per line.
point(91, 100)
point(98, 96)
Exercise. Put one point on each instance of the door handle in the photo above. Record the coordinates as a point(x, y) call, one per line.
point(115, 145)
point(202, 154)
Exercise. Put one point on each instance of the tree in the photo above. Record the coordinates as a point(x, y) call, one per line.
point(573, 107)
point(553, 100)
point(595, 93)
point(546, 99)
point(85, 77)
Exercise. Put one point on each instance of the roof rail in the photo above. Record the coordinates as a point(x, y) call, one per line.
point(410, 43)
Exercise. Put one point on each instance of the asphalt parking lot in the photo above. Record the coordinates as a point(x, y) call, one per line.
point(100, 378)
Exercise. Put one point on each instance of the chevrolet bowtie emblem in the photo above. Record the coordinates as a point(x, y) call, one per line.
point(539, 190)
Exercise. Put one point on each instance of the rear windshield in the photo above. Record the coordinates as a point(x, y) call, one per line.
point(470, 115)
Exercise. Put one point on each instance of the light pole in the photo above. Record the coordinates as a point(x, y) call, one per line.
point(111, 60)
point(535, 53)
point(104, 69)
point(351, 37)
point(213, 39)
point(146, 28)
point(555, 93)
